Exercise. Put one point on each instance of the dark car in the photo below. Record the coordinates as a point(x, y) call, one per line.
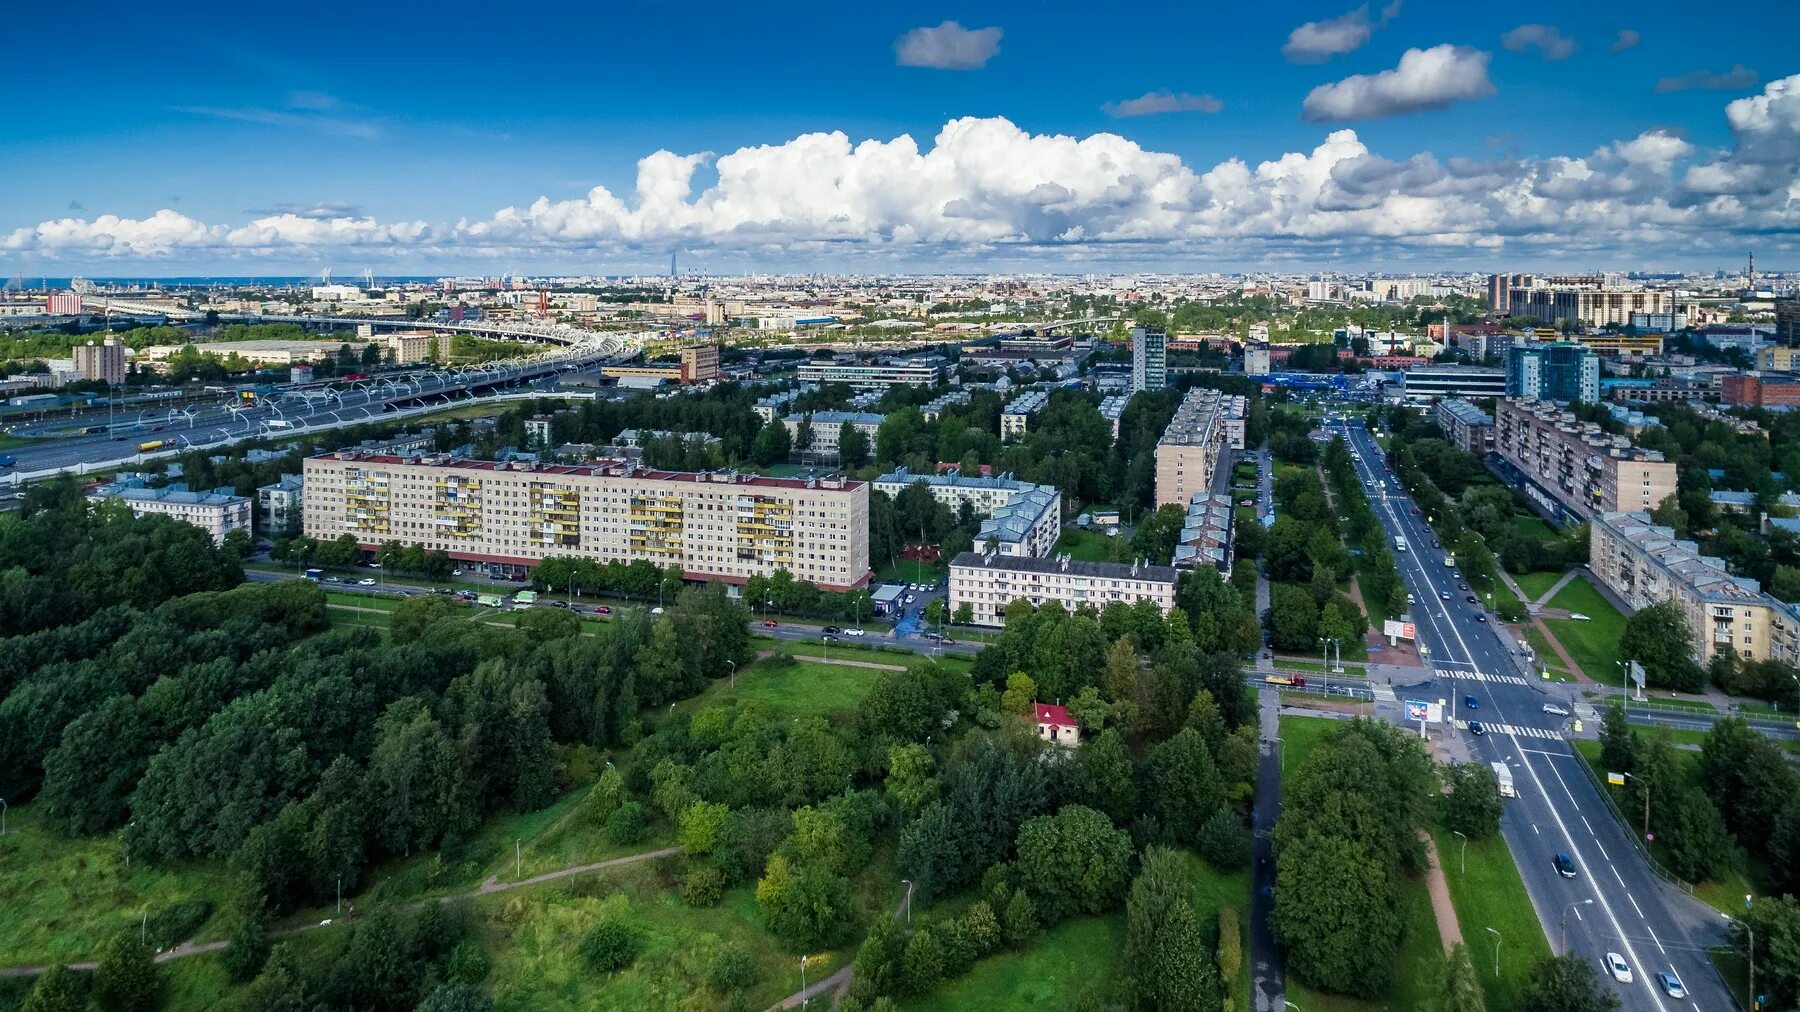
point(1470, 598)
point(829, 638)
point(1565, 866)
point(1471, 703)
point(1476, 729)
point(833, 630)
point(1481, 618)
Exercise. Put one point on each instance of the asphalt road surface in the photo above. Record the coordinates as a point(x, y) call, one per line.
point(1615, 902)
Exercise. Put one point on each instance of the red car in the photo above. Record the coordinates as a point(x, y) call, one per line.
point(769, 623)
point(603, 609)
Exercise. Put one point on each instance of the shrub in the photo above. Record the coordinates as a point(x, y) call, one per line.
point(733, 969)
point(610, 945)
point(703, 887)
point(246, 952)
point(983, 928)
point(176, 923)
point(1223, 842)
point(627, 825)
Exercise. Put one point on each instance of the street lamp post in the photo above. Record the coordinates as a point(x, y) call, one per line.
point(733, 673)
point(1563, 940)
point(909, 890)
point(1281, 755)
point(1464, 870)
point(1497, 941)
point(805, 1000)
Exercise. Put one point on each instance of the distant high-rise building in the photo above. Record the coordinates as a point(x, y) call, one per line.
point(1558, 371)
point(1149, 359)
point(1787, 321)
point(104, 361)
point(1256, 360)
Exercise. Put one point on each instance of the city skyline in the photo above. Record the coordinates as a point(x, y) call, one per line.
point(999, 138)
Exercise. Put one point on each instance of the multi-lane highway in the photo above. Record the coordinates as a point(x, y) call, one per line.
point(299, 409)
point(1615, 902)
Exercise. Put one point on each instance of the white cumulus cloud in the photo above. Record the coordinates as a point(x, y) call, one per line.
point(1546, 39)
point(983, 190)
point(1424, 79)
point(1152, 102)
point(1318, 41)
point(949, 46)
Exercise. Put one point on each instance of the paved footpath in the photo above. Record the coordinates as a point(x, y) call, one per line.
point(1268, 979)
point(1449, 929)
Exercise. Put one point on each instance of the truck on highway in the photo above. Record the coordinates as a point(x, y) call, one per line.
point(279, 423)
point(315, 575)
point(525, 599)
point(154, 444)
point(1399, 543)
point(491, 601)
point(1503, 776)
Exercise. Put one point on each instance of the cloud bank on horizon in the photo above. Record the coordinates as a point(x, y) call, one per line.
point(986, 186)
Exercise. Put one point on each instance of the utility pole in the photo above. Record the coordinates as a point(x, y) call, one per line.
point(1562, 943)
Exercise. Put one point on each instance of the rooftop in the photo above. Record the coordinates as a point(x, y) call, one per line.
point(1682, 562)
point(1063, 564)
point(601, 468)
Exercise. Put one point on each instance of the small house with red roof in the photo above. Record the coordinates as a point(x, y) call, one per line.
point(1055, 725)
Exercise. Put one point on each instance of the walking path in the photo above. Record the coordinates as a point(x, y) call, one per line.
point(1573, 572)
point(487, 888)
point(1506, 578)
point(834, 985)
point(1268, 987)
point(1449, 930)
point(1556, 645)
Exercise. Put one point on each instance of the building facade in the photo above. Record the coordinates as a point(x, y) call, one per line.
point(989, 582)
point(715, 526)
point(1645, 564)
point(1016, 416)
point(1558, 371)
point(828, 426)
point(1431, 382)
point(218, 512)
point(1256, 360)
point(1574, 469)
point(104, 361)
point(871, 377)
point(1206, 425)
point(1588, 306)
point(282, 505)
point(1465, 425)
point(1760, 390)
point(1149, 359)
point(1022, 518)
point(700, 363)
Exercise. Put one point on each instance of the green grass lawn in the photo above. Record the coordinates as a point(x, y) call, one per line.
point(355, 600)
point(1490, 894)
point(1537, 583)
point(1533, 527)
point(906, 571)
point(1593, 644)
point(803, 689)
point(1540, 648)
point(1678, 702)
point(1092, 546)
point(64, 895)
point(1076, 958)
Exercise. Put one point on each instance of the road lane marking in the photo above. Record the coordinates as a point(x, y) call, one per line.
point(1658, 941)
point(1590, 826)
point(1634, 906)
point(1619, 877)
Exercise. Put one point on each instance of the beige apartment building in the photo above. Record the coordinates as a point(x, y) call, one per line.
point(104, 361)
point(714, 525)
point(1205, 425)
point(1645, 564)
point(988, 582)
point(1576, 469)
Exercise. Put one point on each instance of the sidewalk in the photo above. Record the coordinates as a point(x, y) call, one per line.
point(1449, 930)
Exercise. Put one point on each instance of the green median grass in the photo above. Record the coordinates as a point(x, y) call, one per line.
point(1533, 527)
point(1488, 893)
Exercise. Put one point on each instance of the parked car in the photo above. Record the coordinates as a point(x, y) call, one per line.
point(1616, 965)
point(365, 582)
point(1565, 866)
point(854, 632)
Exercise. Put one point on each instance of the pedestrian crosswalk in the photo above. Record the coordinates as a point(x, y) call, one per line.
point(1478, 676)
point(1513, 729)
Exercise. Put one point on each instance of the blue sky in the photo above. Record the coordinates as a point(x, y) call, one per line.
point(413, 117)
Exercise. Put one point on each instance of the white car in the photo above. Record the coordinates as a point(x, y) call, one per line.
point(1621, 971)
point(365, 582)
point(854, 632)
point(909, 599)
